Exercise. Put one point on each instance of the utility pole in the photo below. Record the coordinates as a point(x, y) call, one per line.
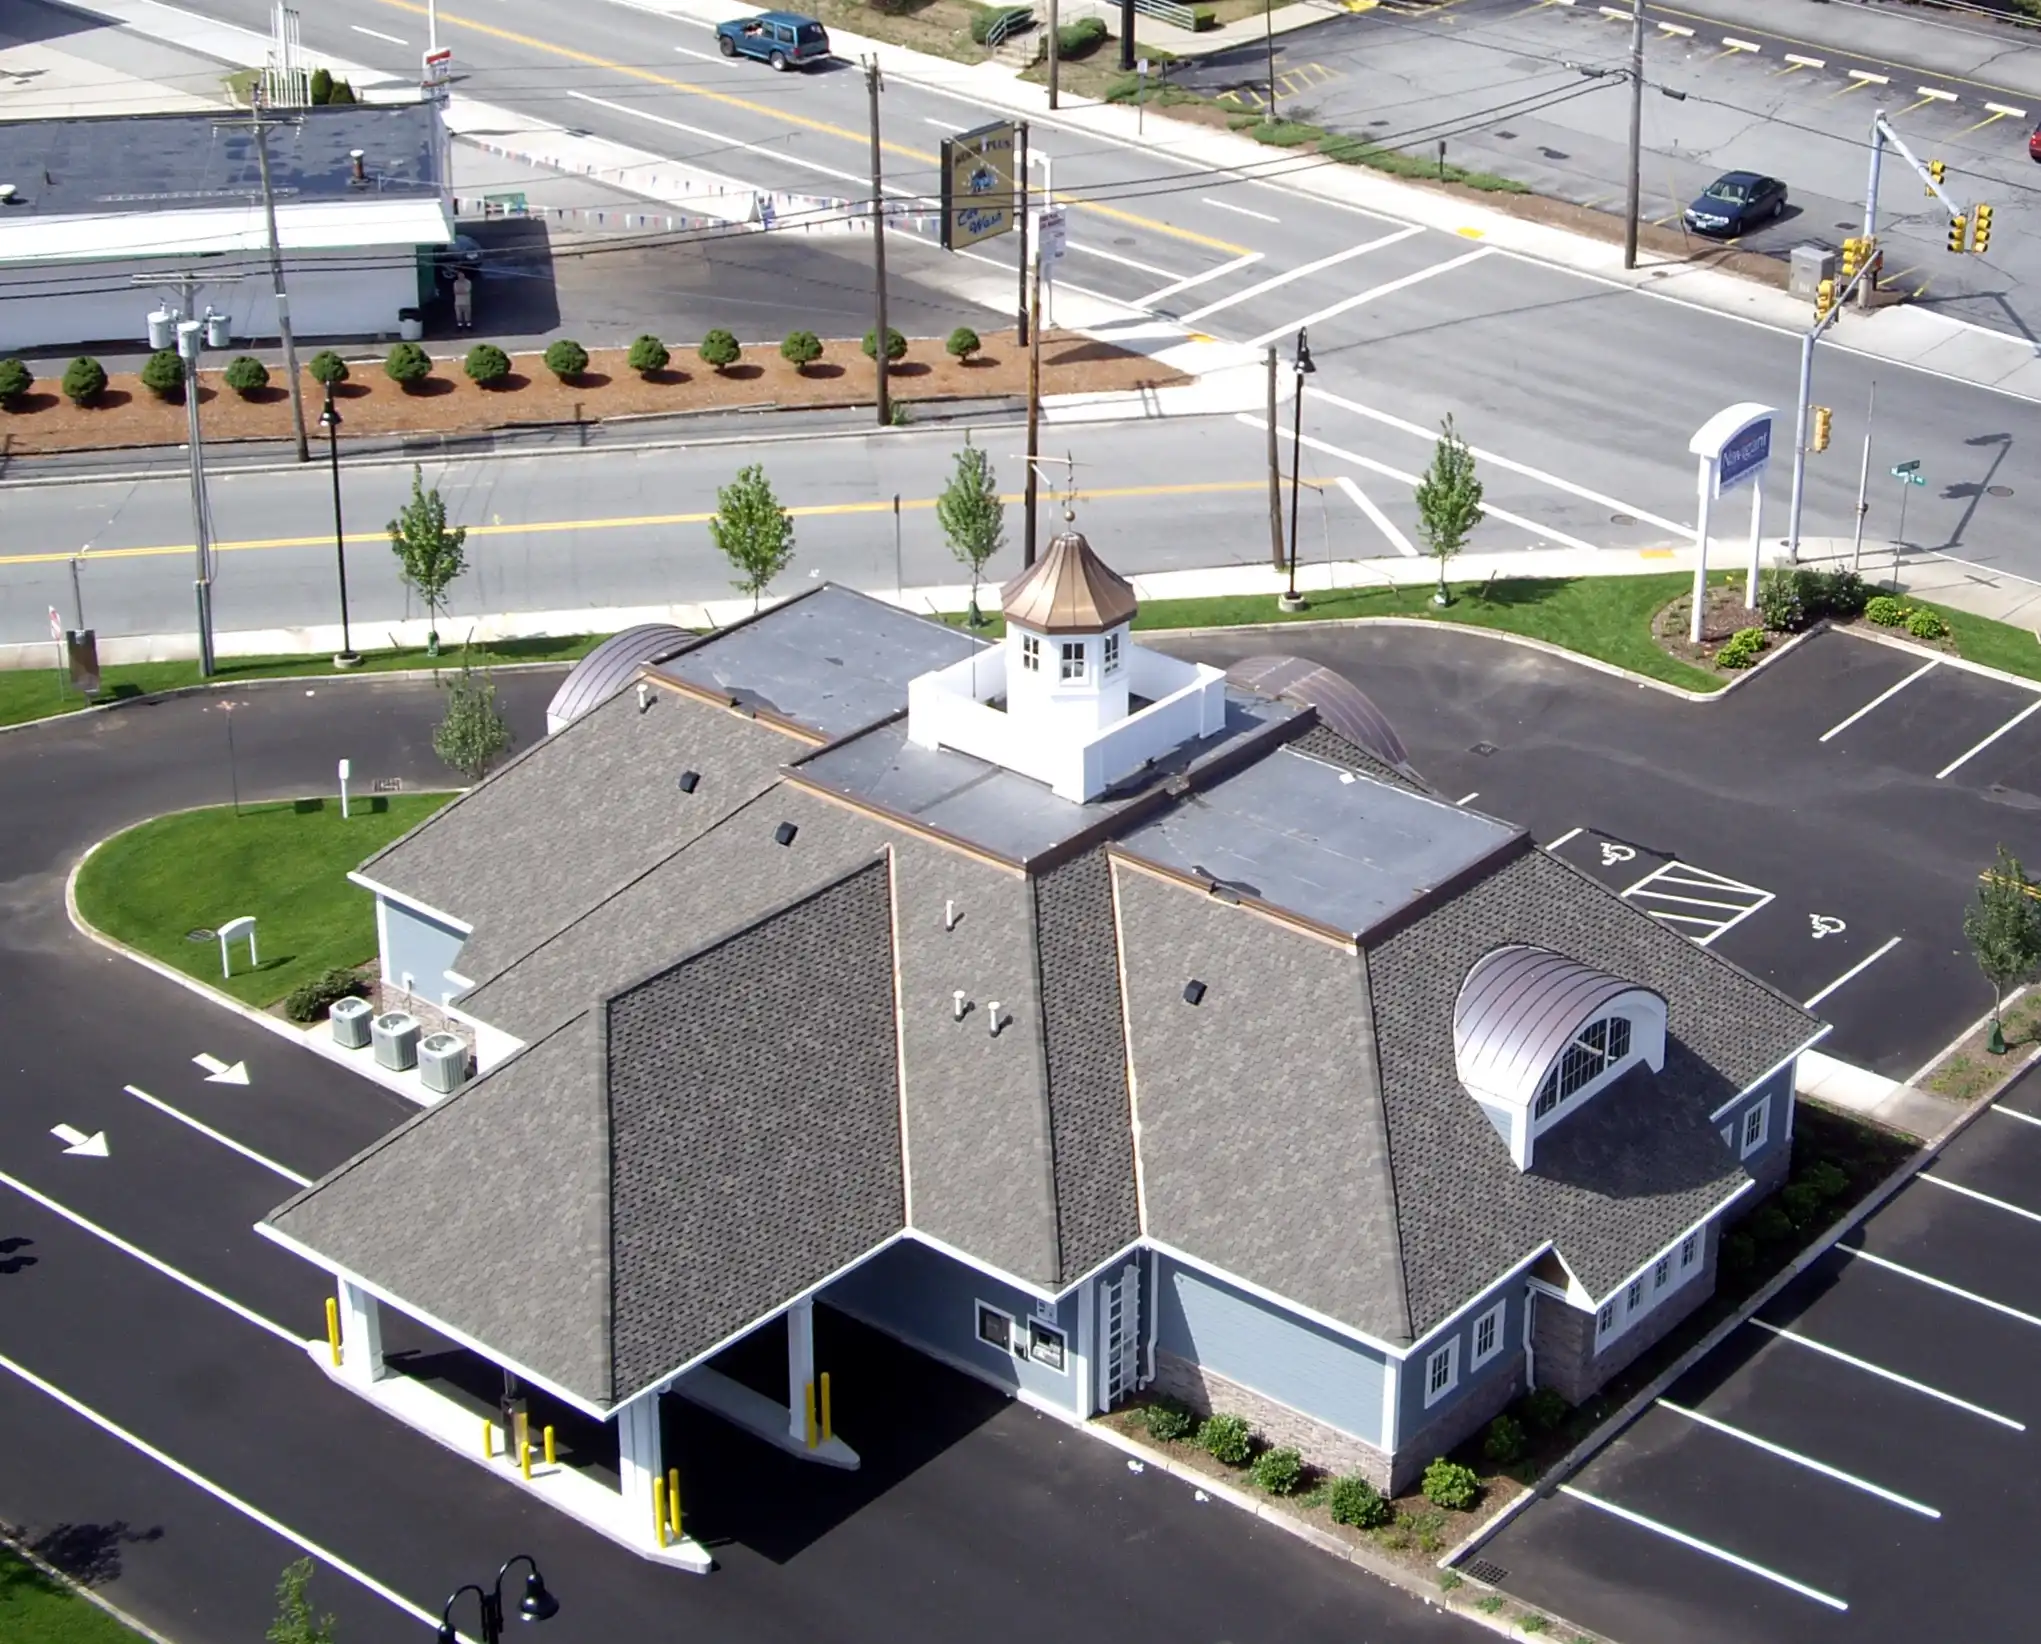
point(1863, 484)
point(1034, 404)
point(1636, 132)
point(1126, 36)
point(1055, 58)
point(1275, 471)
point(1268, 17)
point(260, 126)
point(1020, 180)
point(881, 336)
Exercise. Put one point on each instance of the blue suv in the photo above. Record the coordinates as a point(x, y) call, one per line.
point(782, 38)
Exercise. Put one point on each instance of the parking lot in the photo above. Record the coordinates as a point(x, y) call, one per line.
point(1853, 1464)
point(1822, 826)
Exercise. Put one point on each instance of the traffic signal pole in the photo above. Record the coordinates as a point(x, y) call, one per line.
point(1829, 306)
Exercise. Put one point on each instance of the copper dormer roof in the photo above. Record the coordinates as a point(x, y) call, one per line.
point(1069, 590)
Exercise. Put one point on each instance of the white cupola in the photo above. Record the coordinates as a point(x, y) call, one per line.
point(1067, 650)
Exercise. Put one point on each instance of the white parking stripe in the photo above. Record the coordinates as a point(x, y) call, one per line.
point(1708, 1547)
point(1571, 833)
point(2014, 1113)
point(1799, 1460)
point(1227, 205)
point(1884, 1374)
point(213, 1135)
point(1883, 696)
point(1943, 1285)
point(1857, 969)
point(1371, 294)
point(1468, 798)
point(1190, 280)
point(1301, 271)
point(2027, 712)
point(2006, 1205)
point(1382, 522)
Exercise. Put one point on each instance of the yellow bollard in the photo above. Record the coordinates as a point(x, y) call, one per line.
point(659, 1510)
point(551, 1460)
point(488, 1439)
point(673, 1500)
point(333, 1329)
point(808, 1395)
point(524, 1459)
point(826, 1428)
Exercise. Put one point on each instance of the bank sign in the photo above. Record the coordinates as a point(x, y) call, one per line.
point(1744, 455)
point(978, 187)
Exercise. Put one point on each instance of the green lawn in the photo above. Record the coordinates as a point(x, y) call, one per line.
point(40, 693)
point(1991, 644)
point(284, 863)
point(36, 1610)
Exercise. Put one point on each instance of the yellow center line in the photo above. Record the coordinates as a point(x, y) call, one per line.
point(626, 522)
point(782, 116)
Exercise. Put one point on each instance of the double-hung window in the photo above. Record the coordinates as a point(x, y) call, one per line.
point(1487, 1336)
point(1755, 1128)
point(1112, 654)
point(1073, 660)
point(1442, 1372)
point(1031, 653)
point(1690, 1251)
point(1661, 1275)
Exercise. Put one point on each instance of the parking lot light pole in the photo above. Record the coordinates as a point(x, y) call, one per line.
point(537, 1604)
point(329, 419)
point(1291, 599)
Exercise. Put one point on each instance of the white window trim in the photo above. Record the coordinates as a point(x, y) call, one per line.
point(1450, 1352)
point(1747, 1143)
point(1498, 1315)
point(978, 1310)
point(1073, 662)
point(1031, 653)
point(1111, 652)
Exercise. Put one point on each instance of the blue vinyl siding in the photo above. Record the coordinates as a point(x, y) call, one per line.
point(421, 948)
point(1413, 1413)
point(930, 1301)
point(1777, 1092)
point(1259, 1345)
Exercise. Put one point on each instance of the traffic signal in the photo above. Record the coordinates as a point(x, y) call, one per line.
point(1938, 170)
point(1823, 418)
point(1980, 229)
point(1824, 300)
point(1853, 257)
point(1959, 230)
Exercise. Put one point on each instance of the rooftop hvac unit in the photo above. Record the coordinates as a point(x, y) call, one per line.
point(443, 1062)
point(395, 1036)
point(350, 1019)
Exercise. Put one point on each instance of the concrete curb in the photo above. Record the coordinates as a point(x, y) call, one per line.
point(44, 1567)
point(1914, 648)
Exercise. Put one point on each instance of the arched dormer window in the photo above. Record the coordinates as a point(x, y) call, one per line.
point(1598, 1047)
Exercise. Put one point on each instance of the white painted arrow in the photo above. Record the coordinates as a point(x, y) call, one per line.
point(218, 1073)
point(76, 1141)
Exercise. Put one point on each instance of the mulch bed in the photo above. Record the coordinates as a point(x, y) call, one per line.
point(1724, 614)
point(447, 402)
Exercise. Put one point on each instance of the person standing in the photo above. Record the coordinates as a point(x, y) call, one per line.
point(464, 302)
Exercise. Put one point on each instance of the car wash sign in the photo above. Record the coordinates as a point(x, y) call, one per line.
point(978, 185)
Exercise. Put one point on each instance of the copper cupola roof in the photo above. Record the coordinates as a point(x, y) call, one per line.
point(1069, 590)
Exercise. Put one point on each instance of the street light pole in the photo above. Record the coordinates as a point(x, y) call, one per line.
point(329, 419)
point(1636, 131)
point(1863, 484)
point(188, 340)
point(537, 1604)
point(1292, 600)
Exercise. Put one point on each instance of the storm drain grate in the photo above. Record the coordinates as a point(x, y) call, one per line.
point(1998, 490)
point(1493, 1575)
point(1483, 748)
point(388, 784)
point(199, 934)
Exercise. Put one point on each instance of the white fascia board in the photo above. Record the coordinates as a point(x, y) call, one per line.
point(1039, 1292)
point(1667, 1249)
point(1826, 1029)
point(1263, 1293)
point(454, 1334)
point(356, 877)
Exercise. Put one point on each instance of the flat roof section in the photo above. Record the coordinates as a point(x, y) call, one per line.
point(833, 661)
point(1342, 850)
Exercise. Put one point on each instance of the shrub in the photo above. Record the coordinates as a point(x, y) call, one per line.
point(1081, 38)
point(1782, 606)
point(1827, 1178)
point(1770, 1225)
point(342, 93)
point(1542, 1409)
point(1505, 1441)
point(1801, 1203)
point(1203, 19)
point(1168, 1421)
point(1451, 1581)
point(84, 380)
point(1739, 1252)
point(407, 364)
point(163, 374)
point(719, 349)
point(1278, 1471)
point(1837, 593)
point(896, 345)
point(327, 367)
point(963, 343)
point(1925, 625)
point(647, 354)
point(1428, 1528)
point(1282, 133)
point(322, 87)
point(1884, 610)
point(486, 365)
point(309, 1001)
point(1741, 648)
point(246, 375)
point(1533, 1622)
point(15, 380)
point(566, 358)
point(801, 349)
point(1447, 1484)
point(988, 17)
point(1357, 1502)
point(1227, 1439)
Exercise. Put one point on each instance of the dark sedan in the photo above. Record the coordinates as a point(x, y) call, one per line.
point(1735, 203)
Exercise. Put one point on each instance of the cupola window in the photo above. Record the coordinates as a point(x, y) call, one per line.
point(1073, 660)
point(1031, 653)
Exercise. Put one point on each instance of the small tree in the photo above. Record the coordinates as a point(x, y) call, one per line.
point(2003, 927)
point(719, 350)
point(407, 364)
point(474, 734)
point(327, 367)
point(648, 354)
point(84, 380)
point(246, 375)
point(322, 87)
point(754, 532)
point(566, 358)
point(801, 350)
point(1448, 502)
point(486, 365)
point(896, 345)
point(296, 1622)
point(429, 552)
point(972, 516)
point(963, 344)
point(163, 374)
point(15, 381)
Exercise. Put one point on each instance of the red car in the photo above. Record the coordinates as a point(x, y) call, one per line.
point(2034, 144)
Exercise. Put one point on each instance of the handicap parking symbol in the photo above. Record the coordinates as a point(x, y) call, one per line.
point(1825, 924)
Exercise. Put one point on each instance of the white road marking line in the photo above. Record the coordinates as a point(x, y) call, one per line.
point(1798, 1459)
point(1857, 969)
point(211, 1134)
point(1430, 437)
point(1936, 96)
point(1870, 79)
point(1694, 901)
point(1190, 280)
point(2006, 1205)
point(1680, 29)
point(1468, 798)
point(2014, 1113)
point(1732, 44)
point(1882, 697)
point(1227, 205)
point(161, 1266)
point(1685, 873)
point(1806, 62)
point(1707, 1547)
point(940, 125)
point(1115, 257)
point(1372, 293)
point(275, 1526)
point(1301, 271)
point(705, 56)
point(378, 34)
point(2027, 712)
point(2007, 108)
point(1943, 1285)
point(1884, 1374)
point(720, 139)
point(1571, 833)
point(1381, 521)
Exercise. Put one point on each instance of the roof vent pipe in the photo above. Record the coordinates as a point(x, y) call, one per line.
point(957, 1006)
point(949, 916)
point(6, 194)
point(361, 176)
point(992, 1010)
point(644, 696)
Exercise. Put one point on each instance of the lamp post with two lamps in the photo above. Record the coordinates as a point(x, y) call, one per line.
point(1291, 600)
point(537, 1604)
point(329, 419)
